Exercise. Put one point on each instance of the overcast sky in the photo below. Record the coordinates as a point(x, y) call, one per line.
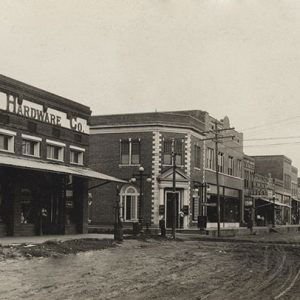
point(228, 57)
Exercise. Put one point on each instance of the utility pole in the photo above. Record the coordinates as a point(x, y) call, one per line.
point(174, 191)
point(217, 137)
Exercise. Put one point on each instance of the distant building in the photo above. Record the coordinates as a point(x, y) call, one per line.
point(284, 175)
point(121, 144)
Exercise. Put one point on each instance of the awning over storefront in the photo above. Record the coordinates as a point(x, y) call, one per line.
point(40, 165)
point(277, 202)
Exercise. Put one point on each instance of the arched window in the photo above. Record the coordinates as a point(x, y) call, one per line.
point(129, 203)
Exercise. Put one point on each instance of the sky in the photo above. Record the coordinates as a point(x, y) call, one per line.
point(236, 58)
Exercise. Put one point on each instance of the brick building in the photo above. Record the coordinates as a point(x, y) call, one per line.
point(44, 141)
point(285, 182)
point(121, 144)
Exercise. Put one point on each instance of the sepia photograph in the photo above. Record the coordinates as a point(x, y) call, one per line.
point(150, 149)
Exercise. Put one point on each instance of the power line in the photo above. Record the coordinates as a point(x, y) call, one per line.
point(273, 138)
point(267, 124)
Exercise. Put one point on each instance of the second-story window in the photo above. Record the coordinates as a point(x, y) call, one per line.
point(221, 162)
point(167, 152)
point(209, 158)
point(239, 168)
point(55, 150)
point(197, 151)
point(130, 152)
point(230, 165)
point(7, 139)
point(76, 155)
point(31, 145)
point(168, 149)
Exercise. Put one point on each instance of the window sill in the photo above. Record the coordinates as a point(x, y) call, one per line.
point(76, 164)
point(53, 159)
point(137, 165)
point(32, 155)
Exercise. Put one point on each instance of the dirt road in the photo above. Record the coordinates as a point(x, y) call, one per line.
point(159, 269)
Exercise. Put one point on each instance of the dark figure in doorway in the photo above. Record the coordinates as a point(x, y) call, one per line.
point(162, 227)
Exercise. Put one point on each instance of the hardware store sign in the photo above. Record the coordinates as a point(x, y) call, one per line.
point(36, 111)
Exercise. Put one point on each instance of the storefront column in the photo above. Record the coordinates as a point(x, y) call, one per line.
point(81, 200)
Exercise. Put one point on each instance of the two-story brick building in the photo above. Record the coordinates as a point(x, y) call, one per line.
point(121, 144)
point(283, 173)
point(44, 145)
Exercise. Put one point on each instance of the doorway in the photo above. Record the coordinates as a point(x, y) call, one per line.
point(169, 208)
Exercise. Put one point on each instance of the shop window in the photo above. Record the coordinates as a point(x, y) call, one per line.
point(70, 205)
point(230, 165)
point(27, 207)
point(195, 208)
point(130, 152)
point(55, 150)
point(129, 203)
point(197, 152)
point(209, 158)
point(7, 140)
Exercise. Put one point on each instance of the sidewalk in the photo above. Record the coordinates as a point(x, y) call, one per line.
point(6, 241)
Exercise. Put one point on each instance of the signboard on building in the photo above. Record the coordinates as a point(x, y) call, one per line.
point(32, 110)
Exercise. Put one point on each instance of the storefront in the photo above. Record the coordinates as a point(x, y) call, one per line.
point(44, 144)
point(230, 206)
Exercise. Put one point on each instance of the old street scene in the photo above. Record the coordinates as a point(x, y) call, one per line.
point(149, 150)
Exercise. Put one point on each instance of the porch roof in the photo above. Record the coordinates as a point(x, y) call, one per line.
point(52, 167)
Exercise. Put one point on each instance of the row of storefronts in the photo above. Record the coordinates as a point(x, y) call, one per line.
point(162, 167)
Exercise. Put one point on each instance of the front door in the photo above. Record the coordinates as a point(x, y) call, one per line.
point(169, 211)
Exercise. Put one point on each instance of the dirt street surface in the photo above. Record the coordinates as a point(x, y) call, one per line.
point(158, 269)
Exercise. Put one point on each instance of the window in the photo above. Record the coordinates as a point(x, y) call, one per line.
point(7, 140)
point(55, 150)
point(4, 142)
point(197, 152)
point(179, 152)
point(27, 215)
point(130, 152)
point(76, 155)
point(239, 168)
point(287, 181)
point(209, 158)
point(230, 165)
point(221, 162)
point(168, 150)
point(129, 203)
point(31, 145)
point(246, 179)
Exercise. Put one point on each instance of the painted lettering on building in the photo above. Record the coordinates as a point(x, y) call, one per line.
point(41, 113)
